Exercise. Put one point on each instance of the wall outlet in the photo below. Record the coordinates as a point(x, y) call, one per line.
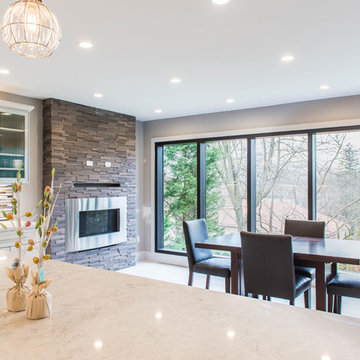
point(89, 163)
point(107, 164)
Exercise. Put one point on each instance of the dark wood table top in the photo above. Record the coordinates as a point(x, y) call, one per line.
point(324, 250)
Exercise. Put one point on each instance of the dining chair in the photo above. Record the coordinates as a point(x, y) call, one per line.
point(202, 260)
point(305, 228)
point(343, 284)
point(268, 263)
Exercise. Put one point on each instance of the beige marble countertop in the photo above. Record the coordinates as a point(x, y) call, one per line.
point(107, 315)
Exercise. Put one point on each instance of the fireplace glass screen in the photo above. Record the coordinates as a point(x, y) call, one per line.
point(99, 222)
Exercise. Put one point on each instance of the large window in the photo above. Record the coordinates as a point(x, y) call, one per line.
point(338, 185)
point(255, 182)
point(281, 181)
point(180, 192)
point(226, 186)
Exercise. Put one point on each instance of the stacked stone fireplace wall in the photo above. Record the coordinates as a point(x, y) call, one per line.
point(73, 135)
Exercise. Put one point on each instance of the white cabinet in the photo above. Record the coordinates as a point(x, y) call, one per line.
point(14, 141)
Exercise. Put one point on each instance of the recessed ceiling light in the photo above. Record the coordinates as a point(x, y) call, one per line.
point(175, 81)
point(287, 58)
point(158, 111)
point(230, 101)
point(98, 344)
point(326, 357)
point(231, 334)
point(158, 315)
point(85, 44)
point(4, 71)
point(220, 2)
point(324, 87)
point(98, 95)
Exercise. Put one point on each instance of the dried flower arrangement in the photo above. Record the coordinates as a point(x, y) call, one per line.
point(19, 271)
point(38, 302)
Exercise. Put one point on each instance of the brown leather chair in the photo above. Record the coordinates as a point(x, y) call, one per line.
point(343, 284)
point(268, 263)
point(202, 260)
point(306, 228)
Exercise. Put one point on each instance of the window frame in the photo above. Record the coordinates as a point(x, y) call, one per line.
point(251, 175)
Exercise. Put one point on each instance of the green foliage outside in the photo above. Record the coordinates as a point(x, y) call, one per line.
point(180, 192)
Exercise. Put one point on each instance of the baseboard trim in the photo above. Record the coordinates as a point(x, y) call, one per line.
point(161, 258)
point(140, 255)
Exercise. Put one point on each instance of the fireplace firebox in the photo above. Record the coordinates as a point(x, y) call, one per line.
point(95, 222)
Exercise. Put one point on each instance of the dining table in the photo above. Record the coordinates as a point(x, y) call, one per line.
point(310, 252)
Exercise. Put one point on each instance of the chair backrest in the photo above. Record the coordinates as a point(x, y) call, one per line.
point(268, 265)
point(196, 230)
point(307, 228)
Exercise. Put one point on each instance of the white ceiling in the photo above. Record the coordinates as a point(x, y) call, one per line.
point(219, 52)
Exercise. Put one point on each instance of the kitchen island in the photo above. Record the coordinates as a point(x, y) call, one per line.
point(99, 314)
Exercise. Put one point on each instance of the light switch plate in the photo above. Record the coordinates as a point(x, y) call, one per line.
point(107, 164)
point(89, 163)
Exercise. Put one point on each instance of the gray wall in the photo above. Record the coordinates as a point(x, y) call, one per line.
point(335, 109)
point(33, 189)
point(139, 184)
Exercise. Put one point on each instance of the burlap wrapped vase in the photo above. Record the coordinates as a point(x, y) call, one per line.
point(39, 301)
point(16, 295)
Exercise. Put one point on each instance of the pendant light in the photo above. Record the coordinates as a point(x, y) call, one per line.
point(31, 29)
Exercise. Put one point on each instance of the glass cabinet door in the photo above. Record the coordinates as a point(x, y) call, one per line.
point(12, 145)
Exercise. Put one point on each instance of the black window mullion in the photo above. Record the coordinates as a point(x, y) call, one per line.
point(201, 180)
point(312, 176)
point(159, 197)
point(251, 186)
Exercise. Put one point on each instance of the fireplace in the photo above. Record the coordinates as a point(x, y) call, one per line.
point(95, 222)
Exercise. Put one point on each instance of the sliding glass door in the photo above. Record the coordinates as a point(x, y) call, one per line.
point(226, 186)
point(179, 192)
point(281, 181)
point(338, 185)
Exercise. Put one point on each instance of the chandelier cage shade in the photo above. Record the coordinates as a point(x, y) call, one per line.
point(30, 29)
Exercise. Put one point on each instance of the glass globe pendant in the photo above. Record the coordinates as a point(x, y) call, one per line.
point(30, 29)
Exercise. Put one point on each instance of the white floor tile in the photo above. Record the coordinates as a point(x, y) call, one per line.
point(179, 275)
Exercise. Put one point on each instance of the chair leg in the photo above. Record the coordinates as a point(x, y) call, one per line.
point(307, 299)
point(339, 301)
point(330, 303)
point(269, 298)
point(190, 282)
point(264, 297)
point(292, 302)
point(207, 282)
point(227, 285)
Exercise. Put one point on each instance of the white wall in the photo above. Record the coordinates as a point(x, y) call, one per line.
point(336, 109)
point(32, 192)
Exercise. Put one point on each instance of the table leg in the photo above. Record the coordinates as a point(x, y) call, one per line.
point(241, 277)
point(320, 287)
point(235, 273)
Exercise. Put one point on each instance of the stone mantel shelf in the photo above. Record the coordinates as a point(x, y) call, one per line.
point(107, 315)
